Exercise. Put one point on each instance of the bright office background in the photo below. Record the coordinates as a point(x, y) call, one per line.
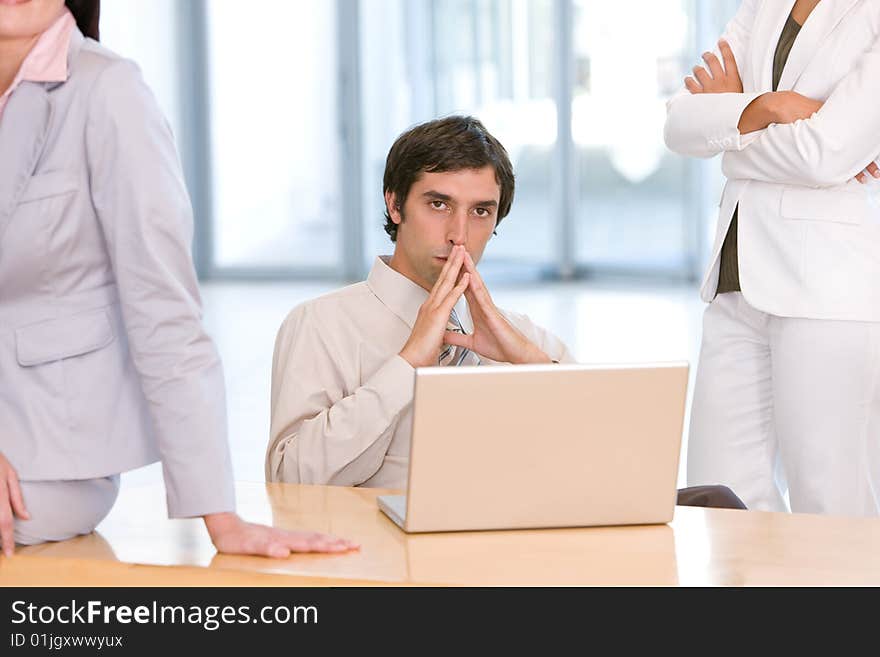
point(284, 111)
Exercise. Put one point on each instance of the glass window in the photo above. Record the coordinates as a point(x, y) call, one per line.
point(632, 204)
point(490, 58)
point(146, 32)
point(276, 135)
point(275, 149)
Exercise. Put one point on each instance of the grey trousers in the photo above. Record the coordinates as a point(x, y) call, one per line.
point(63, 509)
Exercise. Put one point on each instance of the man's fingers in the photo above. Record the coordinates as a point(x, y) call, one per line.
point(471, 267)
point(714, 65)
point(702, 76)
point(459, 339)
point(873, 169)
point(455, 294)
point(862, 178)
point(478, 287)
point(15, 497)
point(729, 60)
point(446, 280)
point(692, 85)
point(443, 275)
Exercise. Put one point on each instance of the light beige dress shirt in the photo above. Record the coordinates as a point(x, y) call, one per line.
point(342, 394)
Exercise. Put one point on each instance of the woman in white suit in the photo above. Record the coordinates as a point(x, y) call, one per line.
point(104, 363)
point(788, 385)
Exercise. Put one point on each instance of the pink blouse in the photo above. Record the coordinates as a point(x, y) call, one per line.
point(47, 60)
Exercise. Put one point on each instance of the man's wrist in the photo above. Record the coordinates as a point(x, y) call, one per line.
point(413, 361)
point(534, 356)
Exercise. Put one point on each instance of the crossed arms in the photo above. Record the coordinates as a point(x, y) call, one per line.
point(778, 137)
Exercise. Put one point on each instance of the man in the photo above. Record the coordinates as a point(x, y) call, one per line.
point(342, 375)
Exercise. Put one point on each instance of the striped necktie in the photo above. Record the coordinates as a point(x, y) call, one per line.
point(452, 355)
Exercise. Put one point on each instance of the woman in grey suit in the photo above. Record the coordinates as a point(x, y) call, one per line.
point(104, 363)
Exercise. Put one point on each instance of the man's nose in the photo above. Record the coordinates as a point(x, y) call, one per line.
point(457, 228)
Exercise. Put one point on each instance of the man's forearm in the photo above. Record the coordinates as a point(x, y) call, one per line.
point(345, 443)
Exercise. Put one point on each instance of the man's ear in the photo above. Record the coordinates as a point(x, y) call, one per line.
point(393, 208)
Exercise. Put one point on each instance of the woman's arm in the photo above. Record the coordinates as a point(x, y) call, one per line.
point(11, 505)
point(830, 147)
point(141, 202)
point(777, 107)
point(705, 124)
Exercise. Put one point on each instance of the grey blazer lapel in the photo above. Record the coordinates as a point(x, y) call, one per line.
point(23, 130)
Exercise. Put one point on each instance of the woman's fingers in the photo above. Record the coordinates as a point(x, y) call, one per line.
point(702, 76)
point(729, 60)
point(16, 499)
point(714, 65)
point(7, 526)
point(313, 542)
point(693, 86)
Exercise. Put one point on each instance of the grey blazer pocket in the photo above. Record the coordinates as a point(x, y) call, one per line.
point(47, 185)
point(54, 339)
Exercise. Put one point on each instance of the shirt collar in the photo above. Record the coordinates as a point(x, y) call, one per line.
point(47, 60)
point(403, 297)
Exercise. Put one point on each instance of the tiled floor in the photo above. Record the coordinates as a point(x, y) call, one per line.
point(601, 322)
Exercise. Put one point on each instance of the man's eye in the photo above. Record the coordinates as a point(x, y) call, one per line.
point(438, 205)
point(482, 212)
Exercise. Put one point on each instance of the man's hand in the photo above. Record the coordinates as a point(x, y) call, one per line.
point(422, 349)
point(11, 503)
point(718, 79)
point(232, 535)
point(493, 336)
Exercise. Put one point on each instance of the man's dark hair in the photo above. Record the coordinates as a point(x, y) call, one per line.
point(87, 14)
point(449, 144)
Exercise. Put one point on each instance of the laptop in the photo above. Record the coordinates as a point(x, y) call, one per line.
point(533, 446)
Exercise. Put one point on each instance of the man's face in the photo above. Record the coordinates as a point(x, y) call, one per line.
point(442, 211)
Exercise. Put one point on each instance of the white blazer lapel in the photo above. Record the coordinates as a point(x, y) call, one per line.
point(820, 24)
point(765, 37)
point(23, 130)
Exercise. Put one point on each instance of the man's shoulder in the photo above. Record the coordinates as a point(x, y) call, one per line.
point(333, 306)
point(519, 320)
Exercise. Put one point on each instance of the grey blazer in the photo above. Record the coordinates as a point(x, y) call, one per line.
point(104, 363)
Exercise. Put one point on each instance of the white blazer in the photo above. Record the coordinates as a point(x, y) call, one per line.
point(808, 234)
point(104, 363)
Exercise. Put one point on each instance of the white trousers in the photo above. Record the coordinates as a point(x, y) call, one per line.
point(787, 404)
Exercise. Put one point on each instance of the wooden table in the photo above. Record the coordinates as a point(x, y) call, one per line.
point(138, 545)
